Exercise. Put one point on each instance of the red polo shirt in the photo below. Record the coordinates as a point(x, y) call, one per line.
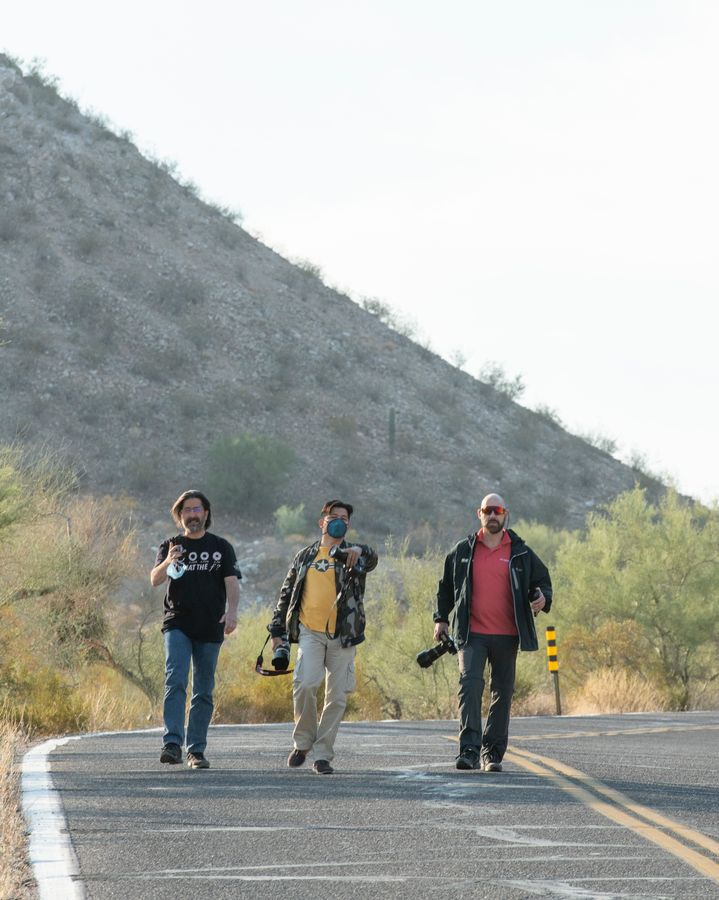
point(492, 604)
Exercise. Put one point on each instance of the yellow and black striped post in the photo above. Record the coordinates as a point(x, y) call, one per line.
point(553, 664)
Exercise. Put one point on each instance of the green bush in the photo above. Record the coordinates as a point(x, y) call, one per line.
point(290, 520)
point(246, 472)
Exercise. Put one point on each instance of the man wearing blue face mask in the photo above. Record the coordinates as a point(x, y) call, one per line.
point(321, 608)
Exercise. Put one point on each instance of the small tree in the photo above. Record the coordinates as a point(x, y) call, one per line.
point(654, 566)
point(493, 374)
point(245, 472)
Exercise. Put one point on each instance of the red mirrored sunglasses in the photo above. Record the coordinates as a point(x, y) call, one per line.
point(493, 510)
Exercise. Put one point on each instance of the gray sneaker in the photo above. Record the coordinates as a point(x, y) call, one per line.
point(197, 761)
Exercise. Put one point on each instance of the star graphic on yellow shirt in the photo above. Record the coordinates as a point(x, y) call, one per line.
point(322, 565)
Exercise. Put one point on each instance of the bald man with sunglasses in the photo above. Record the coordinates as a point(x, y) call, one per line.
point(492, 587)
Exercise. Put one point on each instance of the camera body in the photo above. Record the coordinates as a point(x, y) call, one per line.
point(281, 656)
point(427, 657)
point(340, 555)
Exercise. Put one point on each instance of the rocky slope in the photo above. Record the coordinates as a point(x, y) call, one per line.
point(141, 325)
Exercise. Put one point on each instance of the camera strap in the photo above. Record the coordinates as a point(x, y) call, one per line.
point(261, 671)
point(336, 606)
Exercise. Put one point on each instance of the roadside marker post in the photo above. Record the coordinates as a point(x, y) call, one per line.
point(553, 664)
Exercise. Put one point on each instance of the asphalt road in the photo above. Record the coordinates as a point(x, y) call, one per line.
point(601, 807)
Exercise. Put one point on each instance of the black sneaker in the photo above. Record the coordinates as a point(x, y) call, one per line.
point(491, 765)
point(468, 759)
point(322, 767)
point(296, 758)
point(197, 761)
point(171, 753)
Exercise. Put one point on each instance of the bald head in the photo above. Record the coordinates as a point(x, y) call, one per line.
point(492, 500)
point(493, 514)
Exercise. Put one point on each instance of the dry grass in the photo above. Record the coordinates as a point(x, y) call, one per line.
point(16, 881)
point(615, 690)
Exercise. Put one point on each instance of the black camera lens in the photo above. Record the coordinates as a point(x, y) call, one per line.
point(427, 657)
point(281, 657)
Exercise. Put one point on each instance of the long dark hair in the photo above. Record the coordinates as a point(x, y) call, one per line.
point(191, 495)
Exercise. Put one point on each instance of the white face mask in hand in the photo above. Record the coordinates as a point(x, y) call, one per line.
point(176, 569)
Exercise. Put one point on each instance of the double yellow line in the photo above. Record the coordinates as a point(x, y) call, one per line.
point(643, 821)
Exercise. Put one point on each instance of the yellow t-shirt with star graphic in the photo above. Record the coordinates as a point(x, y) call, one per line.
point(319, 594)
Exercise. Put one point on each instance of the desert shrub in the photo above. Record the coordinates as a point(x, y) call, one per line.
point(88, 243)
point(493, 373)
point(178, 291)
point(158, 364)
point(14, 871)
point(440, 398)
point(545, 540)
point(290, 520)
point(87, 307)
point(343, 427)
point(548, 414)
point(600, 441)
point(400, 602)
point(246, 472)
point(142, 472)
point(12, 502)
point(228, 234)
point(616, 690)
point(241, 695)
point(20, 91)
point(190, 404)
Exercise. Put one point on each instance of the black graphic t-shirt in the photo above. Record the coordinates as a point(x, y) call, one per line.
point(195, 602)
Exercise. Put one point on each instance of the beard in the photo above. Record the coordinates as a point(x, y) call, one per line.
point(193, 525)
point(494, 526)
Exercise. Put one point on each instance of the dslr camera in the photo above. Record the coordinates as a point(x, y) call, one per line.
point(340, 554)
point(281, 657)
point(427, 657)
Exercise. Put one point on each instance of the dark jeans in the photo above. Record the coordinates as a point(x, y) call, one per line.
point(180, 651)
point(500, 651)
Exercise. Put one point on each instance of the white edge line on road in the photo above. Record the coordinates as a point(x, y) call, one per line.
point(51, 855)
point(54, 864)
point(53, 860)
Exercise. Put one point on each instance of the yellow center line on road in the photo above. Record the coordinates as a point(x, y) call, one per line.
point(542, 766)
point(620, 799)
point(559, 774)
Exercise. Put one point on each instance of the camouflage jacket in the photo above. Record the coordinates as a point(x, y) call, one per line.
point(350, 596)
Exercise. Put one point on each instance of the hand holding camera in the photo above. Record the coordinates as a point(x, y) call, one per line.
point(351, 557)
point(427, 657)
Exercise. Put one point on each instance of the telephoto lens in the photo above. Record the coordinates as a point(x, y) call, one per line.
point(281, 657)
point(427, 657)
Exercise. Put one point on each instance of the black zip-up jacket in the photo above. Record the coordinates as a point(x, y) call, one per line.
point(350, 596)
point(526, 573)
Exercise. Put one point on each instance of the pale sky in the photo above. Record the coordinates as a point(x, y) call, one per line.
point(531, 183)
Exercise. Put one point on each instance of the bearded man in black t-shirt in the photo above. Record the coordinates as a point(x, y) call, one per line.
point(201, 600)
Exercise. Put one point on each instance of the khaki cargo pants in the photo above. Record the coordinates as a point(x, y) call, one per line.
point(319, 658)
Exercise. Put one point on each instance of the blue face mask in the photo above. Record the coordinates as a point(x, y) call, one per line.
point(336, 528)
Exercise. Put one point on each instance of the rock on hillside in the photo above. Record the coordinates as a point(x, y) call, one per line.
point(142, 324)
